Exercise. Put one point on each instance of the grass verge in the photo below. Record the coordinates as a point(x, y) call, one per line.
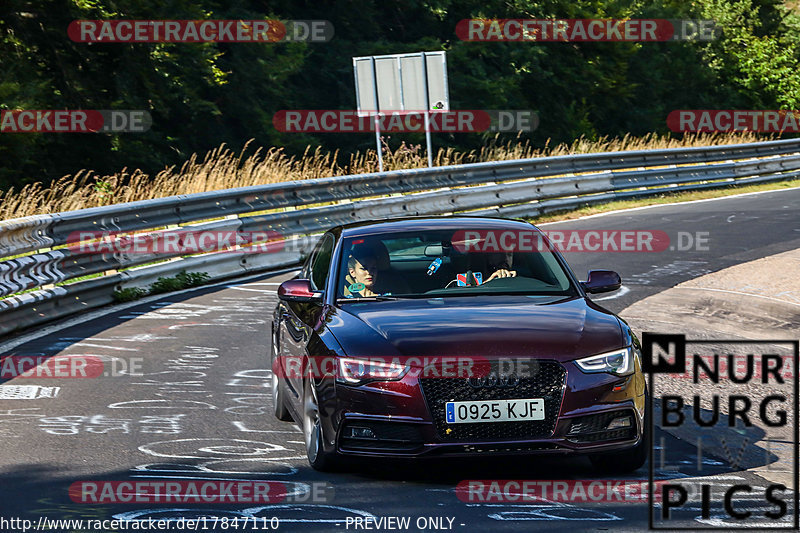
point(222, 168)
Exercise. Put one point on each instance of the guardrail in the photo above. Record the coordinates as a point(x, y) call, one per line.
point(37, 256)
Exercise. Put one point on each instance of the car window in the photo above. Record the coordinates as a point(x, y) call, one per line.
point(305, 272)
point(451, 262)
point(406, 248)
point(321, 262)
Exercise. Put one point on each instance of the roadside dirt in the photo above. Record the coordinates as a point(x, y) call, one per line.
point(758, 300)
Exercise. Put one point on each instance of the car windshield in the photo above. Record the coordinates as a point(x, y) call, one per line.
point(454, 262)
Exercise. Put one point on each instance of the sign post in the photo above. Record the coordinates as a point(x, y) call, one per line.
point(427, 107)
point(402, 83)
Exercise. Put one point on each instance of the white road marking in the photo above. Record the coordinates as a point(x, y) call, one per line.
point(94, 315)
point(161, 404)
point(546, 511)
point(118, 348)
point(738, 293)
point(252, 290)
point(27, 392)
point(214, 448)
point(241, 427)
point(720, 521)
point(550, 514)
point(616, 212)
point(303, 508)
point(193, 512)
point(250, 512)
point(306, 488)
point(137, 337)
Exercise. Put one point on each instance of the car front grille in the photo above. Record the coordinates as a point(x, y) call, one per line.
point(545, 380)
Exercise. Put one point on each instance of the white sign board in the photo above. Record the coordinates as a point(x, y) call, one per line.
point(401, 82)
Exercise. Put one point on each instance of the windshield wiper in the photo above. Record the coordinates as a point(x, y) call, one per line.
point(367, 299)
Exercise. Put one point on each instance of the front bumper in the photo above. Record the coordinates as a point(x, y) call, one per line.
point(402, 419)
point(406, 438)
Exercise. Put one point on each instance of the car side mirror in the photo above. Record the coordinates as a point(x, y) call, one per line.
point(298, 290)
point(602, 281)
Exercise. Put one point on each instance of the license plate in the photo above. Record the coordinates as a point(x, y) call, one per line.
point(522, 409)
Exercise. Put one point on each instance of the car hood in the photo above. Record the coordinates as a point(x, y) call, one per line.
point(497, 326)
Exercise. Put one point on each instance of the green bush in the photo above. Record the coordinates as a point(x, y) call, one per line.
point(182, 280)
point(129, 294)
point(165, 285)
point(193, 279)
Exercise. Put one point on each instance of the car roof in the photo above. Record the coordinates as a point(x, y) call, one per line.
point(379, 227)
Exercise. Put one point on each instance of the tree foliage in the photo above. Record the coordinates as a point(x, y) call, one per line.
point(202, 95)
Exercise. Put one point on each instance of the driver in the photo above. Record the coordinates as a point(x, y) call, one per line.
point(496, 265)
point(362, 278)
point(500, 265)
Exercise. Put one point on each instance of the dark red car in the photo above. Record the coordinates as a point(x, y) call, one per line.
point(432, 336)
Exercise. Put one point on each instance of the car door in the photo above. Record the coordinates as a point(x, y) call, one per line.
point(299, 318)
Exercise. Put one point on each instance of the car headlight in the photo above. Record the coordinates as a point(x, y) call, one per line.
point(618, 362)
point(360, 371)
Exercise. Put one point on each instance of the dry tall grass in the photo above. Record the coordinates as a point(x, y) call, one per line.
point(222, 168)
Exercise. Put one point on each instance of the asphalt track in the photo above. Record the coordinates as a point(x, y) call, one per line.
point(201, 409)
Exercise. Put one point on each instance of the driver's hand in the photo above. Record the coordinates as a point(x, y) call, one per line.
point(502, 273)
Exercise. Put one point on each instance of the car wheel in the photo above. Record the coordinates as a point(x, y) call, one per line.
point(278, 393)
point(629, 460)
point(318, 458)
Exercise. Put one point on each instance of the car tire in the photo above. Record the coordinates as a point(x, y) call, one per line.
point(629, 460)
point(278, 392)
point(318, 458)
